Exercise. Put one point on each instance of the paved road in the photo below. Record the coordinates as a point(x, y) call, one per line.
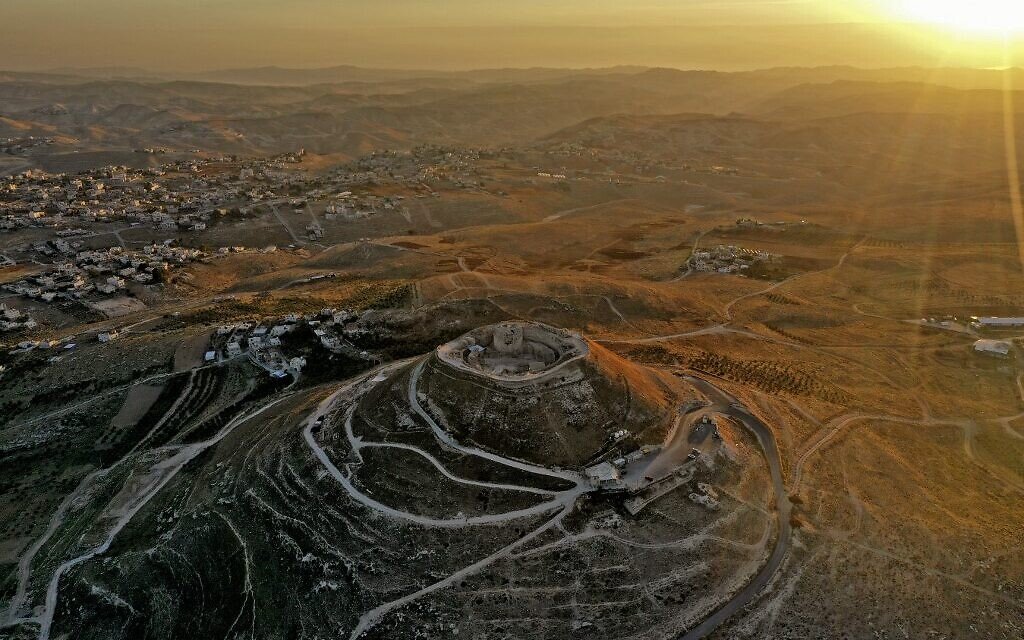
point(724, 403)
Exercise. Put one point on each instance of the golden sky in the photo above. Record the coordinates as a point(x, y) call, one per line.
point(463, 34)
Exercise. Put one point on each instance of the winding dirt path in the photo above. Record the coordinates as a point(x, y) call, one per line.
point(166, 470)
point(564, 501)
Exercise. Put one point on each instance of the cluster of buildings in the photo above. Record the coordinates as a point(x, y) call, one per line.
point(455, 166)
point(553, 176)
point(12, 319)
point(727, 259)
point(975, 326)
point(349, 206)
point(748, 222)
point(103, 271)
point(636, 161)
point(618, 166)
point(640, 163)
point(706, 496)
point(17, 146)
point(190, 195)
point(998, 348)
point(651, 488)
point(262, 341)
point(996, 322)
point(650, 472)
point(610, 474)
point(181, 195)
point(62, 345)
point(418, 168)
point(144, 196)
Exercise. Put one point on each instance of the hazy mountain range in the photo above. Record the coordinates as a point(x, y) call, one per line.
point(351, 110)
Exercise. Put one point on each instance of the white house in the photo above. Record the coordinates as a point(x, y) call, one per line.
point(998, 348)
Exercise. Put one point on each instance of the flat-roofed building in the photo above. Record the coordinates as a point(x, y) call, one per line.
point(999, 348)
point(994, 321)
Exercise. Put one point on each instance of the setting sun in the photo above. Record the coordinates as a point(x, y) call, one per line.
point(989, 16)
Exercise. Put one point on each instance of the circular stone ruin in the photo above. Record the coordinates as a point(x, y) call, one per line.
point(513, 351)
point(546, 395)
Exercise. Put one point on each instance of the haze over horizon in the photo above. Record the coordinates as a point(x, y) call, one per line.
point(182, 36)
point(479, 320)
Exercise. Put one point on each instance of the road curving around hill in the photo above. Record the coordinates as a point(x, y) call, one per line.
point(561, 502)
point(725, 403)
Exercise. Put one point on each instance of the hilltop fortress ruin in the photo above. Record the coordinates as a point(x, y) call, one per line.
point(514, 353)
point(545, 394)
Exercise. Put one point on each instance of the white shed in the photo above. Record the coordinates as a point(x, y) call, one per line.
point(999, 348)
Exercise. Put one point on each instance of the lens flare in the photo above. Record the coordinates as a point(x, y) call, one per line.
point(980, 16)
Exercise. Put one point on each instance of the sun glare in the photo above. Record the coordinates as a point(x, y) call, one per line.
point(979, 16)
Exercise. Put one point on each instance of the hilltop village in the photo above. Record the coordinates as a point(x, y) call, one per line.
point(179, 195)
point(104, 271)
point(92, 238)
point(727, 259)
point(188, 195)
point(101, 239)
